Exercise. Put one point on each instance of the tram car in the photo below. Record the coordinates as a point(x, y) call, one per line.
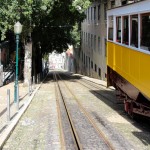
point(128, 55)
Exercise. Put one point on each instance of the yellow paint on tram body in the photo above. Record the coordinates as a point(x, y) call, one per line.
point(131, 65)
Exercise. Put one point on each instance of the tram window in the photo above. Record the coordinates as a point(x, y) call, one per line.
point(145, 31)
point(110, 29)
point(125, 33)
point(118, 23)
point(134, 31)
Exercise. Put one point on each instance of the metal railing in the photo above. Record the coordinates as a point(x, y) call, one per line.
point(8, 73)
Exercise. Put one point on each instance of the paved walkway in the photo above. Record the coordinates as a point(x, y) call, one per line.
point(23, 97)
point(34, 118)
point(43, 104)
point(38, 128)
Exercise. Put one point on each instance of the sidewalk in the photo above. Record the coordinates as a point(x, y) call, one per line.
point(48, 107)
point(38, 128)
point(23, 98)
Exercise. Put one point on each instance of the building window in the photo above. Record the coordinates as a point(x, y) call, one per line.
point(99, 72)
point(85, 15)
point(99, 11)
point(81, 36)
point(134, 31)
point(88, 13)
point(86, 38)
point(95, 42)
point(145, 31)
point(92, 64)
point(112, 3)
point(89, 40)
point(91, 13)
point(82, 56)
point(95, 13)
point(86, 61)
point(124, 2)
point(92, 41)
point(118, 29)
point(110, 28)
point(105, 41)
point(125, 32)
point(105, 11)
point(83, 39)
point(99, 44)
point(95, 68)
point(89, 61)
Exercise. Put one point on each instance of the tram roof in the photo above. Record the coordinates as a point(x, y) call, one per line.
point(133, 8)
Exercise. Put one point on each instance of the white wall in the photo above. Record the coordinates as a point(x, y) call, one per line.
point(56, 61)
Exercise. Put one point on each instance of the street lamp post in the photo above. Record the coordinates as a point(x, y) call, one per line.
point(17, 31)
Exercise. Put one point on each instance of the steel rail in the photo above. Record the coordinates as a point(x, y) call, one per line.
point(92, 83)
point(74, 134)
point(62, 139)
point(101, 134)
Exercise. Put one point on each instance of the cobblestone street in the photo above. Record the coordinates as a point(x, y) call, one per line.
point(74, 75)
point(39, 126)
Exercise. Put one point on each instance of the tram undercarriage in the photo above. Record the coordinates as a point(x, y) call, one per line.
point(134, 101)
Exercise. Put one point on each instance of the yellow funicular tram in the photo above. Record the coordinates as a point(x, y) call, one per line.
point(128, 55)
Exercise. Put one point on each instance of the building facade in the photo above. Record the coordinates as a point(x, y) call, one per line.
point(69, 59)
point(56, 61)
point(93, 52)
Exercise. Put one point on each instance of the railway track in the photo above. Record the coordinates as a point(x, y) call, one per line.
point(83, 131)
point(101, 90)
point(71, 117)
point(68, 138)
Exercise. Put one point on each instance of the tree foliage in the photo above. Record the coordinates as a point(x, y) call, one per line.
point(51, 23)
point(81, 5)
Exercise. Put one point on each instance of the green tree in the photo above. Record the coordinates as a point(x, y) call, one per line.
point(51, 24)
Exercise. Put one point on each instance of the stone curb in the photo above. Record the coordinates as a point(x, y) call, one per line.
point(5, 135)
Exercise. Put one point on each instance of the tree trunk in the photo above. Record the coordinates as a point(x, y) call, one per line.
point(27, 62)
point(37, 63)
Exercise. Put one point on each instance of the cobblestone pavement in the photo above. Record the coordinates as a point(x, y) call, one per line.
point(23, 95)
point(6, 126)
point(88, 136)
point(38, 128)
point(110, 117)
